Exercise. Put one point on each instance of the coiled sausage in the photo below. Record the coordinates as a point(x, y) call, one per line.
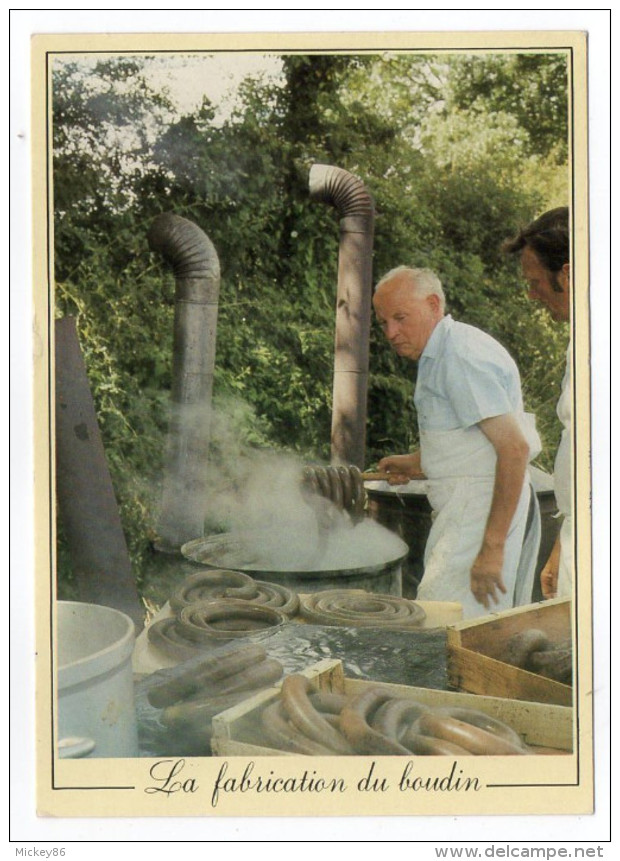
point(472, 738)
point(354, 722)
point(306, 718)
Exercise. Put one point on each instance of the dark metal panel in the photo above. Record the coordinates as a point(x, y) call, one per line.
point(85, 496)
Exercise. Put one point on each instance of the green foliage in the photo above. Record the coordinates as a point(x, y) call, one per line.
point(457, 152)
point(532, 88)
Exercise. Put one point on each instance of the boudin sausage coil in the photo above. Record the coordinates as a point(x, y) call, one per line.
point(225, 619)
point(395, 715)
point(198, 674)
point(267, 595)
point(165, 636)
point(328, 702)
point(206, 586)
point(354, 722)
point(197, 714)
point(306, 718)
point(213, 699)
point(216, 584)
point(482, 721)
point(520, 646)
point(259, 675)
point(424, 745)
point(477, 741)
point(342, 485)
point(285, 736)
point(554, 663)
point(357, 608)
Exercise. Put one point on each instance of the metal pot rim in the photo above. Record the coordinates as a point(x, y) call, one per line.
point(190, 551)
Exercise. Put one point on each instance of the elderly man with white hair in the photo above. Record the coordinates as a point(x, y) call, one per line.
point(475, 445)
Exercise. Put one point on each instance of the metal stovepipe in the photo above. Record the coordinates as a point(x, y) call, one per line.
point(196, 269)
point(356, 209)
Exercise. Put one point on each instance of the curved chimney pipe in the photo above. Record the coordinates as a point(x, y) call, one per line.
point(196, 268)
point(356, 209)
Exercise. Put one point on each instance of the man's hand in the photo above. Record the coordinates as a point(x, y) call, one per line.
point(549, 583)
point(486, 576)
point(401, 467)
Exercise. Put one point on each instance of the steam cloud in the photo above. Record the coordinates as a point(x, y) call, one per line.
point(257, 497)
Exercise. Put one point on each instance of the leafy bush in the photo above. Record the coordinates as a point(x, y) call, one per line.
point(451, 176)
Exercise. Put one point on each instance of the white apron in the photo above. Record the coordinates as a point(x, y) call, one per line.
point(563, 485)
point(460, 465)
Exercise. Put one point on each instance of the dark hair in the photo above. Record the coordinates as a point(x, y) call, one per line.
point(548, 236)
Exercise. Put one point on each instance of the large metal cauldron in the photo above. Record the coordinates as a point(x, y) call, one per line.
point(384, 577)
point(407, 512)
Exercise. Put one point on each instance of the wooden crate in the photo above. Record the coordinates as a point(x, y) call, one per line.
point(474, 649)
point(540, 726)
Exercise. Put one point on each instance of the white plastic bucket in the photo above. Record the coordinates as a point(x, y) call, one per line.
point(96, 713)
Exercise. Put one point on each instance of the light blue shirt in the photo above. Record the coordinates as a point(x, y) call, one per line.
point(464, 376)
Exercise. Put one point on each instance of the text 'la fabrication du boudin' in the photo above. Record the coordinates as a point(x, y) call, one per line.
point(168, 779)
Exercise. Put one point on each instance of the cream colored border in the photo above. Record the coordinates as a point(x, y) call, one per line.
point(545, 785)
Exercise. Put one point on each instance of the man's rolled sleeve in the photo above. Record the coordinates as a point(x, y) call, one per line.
point(477, 391)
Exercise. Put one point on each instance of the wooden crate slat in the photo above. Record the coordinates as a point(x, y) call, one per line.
point(538, 724)
point(475, 648)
